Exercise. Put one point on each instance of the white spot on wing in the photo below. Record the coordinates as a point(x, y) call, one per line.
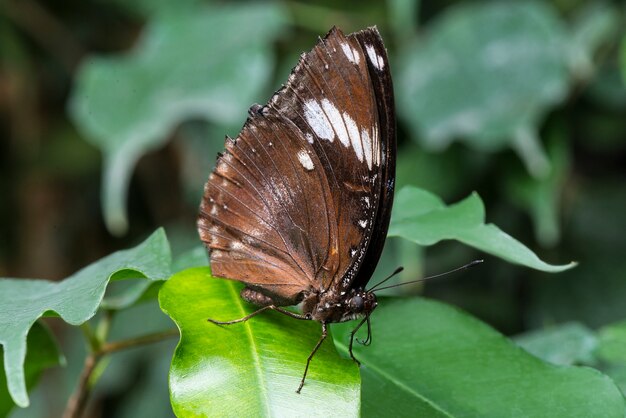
point(351, 53)
point(355, 138)
point(318, 121)
point(347, 50)
point(362, 223)
point(309, 137)
point(337, 122)
point(375, 146)
point(305, 160)
point(367, 147)
point(376, 59)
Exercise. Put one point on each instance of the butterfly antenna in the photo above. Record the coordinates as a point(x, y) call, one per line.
point(396, 271)
point(466, 266)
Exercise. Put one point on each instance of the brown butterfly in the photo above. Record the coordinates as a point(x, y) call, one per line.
point(299, 203)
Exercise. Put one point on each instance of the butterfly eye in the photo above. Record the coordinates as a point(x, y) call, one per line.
point(358, 303)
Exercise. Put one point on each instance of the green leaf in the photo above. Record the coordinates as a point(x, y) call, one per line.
point(194, 257)
point(565, 344)
point(486, 73)
point(622, 59)
point(42, 353)
point(430, 360)
point(75, 299)
point(190, 64)
point(542, 197)
point(595, 24)
point(612, 345)
point(251, 368)
point(423, 218)
point(132, 292)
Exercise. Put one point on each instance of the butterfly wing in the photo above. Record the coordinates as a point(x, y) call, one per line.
point(382, 88)
point(340, 97)
point(300, 200)
point(266, 214)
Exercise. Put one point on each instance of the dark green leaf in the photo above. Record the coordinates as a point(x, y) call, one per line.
point(42, 353)
point(595, 24)
point(423, 218)
point(186, 65)
point(565, 344)
point(622, 56)
point(75, 299)
point(251, 368)
point(542, 197)
point(195, 257)
point(612, 345)
point(438, 361)
point(487, 73)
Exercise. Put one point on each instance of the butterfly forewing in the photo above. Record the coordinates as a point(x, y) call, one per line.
point(296, 198)
point(330, 97)
point(382, 87)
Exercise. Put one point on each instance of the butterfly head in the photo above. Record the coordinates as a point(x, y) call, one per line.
point(359, 304)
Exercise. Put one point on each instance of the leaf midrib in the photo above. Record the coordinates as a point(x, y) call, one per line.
point(253, 348)
point(396, 382)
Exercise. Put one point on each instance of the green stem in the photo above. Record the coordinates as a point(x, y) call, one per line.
point(77, 402)
point(90, 336)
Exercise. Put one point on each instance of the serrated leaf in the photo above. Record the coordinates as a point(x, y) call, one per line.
point(42, 353)
point(430, 360)
point(423, 218)
point(251, 368)
point(75, 299)
point(190, 64)
point(565, 344)
point(485, 73)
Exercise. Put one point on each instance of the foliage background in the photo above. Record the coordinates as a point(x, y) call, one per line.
point(58, 144)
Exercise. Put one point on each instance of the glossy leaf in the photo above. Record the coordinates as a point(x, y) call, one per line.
point(565, 344)
point(75, 299)
point(251, 368)
point(186, 65)
point(486, 73)
point(42, 353)
point(423, 218)
point(440, 362)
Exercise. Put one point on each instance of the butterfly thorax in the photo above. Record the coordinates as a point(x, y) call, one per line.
point(332, 306)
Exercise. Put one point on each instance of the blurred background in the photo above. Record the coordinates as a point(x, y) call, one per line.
point(112, 112)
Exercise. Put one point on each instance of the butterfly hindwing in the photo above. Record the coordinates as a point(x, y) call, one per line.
point(257, 216)
point(300, 200)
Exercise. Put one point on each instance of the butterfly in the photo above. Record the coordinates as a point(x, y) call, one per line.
point(298, 205)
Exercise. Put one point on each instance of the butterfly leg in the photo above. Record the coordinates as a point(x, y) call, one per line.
point(368, 339)
point(255, 313)
point(352, 334)
point(308, 360)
